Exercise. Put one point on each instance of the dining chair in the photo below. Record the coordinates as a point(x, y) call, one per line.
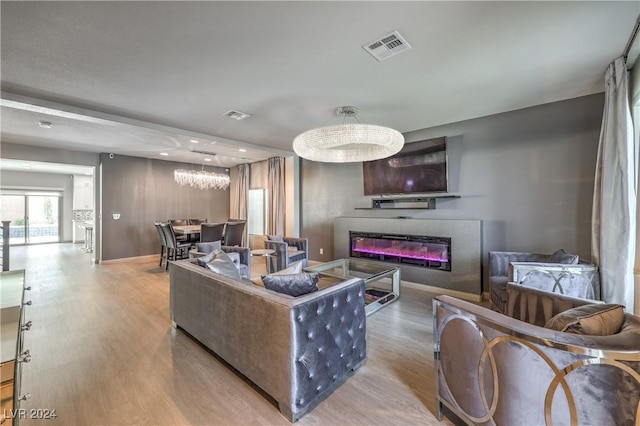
point(175, 249)
point(211, 232)
point(180, 222)
point(197, 221)
point(233, 233)
point(163, 240)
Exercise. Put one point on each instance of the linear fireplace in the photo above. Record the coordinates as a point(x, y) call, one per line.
point(415, 250)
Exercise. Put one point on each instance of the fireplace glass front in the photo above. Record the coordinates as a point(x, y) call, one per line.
point(415, 250)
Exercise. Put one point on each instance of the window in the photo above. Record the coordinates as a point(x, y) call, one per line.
point(258, 213)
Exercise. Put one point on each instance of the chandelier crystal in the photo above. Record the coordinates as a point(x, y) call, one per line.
point(347, 143)
point(202, 179)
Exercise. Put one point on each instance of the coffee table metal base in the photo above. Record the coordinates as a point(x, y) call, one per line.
point(381, 282)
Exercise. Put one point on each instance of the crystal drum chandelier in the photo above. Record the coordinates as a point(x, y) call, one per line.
point(347, 143)
point(202, 179)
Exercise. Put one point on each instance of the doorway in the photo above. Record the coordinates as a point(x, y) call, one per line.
point(35, 217)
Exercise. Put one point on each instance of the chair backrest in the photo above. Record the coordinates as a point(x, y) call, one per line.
point(179, 222)
point(169, 234)
point(163, 239)
point(233, 233)
point(197, 221)
point(211, 232)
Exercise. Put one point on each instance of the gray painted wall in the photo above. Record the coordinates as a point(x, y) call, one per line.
point(143, 191)
point(48, 181)
point(527, 174)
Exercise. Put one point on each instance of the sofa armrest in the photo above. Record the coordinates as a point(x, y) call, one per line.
point(329, 328)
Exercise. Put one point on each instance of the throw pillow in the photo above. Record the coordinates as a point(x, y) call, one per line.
point(293, 284)
point(203, 260)
point(561, 256)
point(277, 238)
point(593, 320)
point(294, 268)
point(209, 247)
point(222, 264)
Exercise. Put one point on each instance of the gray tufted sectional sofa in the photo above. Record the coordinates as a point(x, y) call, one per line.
point(296, 349)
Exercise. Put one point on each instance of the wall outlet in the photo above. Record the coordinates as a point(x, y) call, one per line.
point(321, 251)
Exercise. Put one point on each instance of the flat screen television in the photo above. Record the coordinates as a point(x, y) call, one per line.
point(420, 167)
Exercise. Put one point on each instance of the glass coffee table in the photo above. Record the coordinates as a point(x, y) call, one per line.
point(381, 282)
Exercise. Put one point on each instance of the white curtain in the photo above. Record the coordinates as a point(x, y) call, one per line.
point(275, 177)
point(240, 197)
point(614, 197)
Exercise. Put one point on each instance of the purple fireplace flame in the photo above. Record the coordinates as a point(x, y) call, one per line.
point(417, 250)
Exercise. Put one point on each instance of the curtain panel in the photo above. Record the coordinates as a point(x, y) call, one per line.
point(276, 196)
point(614, 199)
point(240, 197)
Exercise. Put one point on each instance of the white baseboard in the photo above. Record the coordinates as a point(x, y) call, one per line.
point(440, 290)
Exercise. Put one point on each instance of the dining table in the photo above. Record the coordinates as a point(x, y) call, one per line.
point(188, 230)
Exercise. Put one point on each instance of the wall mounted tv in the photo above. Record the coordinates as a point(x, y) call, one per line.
point(420, 167)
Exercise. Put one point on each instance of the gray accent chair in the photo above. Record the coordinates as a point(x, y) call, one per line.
point(506, 370)
point(579, 279)
point(288, 250)
point(296, 349)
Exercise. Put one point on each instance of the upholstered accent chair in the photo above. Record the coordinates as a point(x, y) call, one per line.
point(288, 250)
point(510, 369)
point(560, 272)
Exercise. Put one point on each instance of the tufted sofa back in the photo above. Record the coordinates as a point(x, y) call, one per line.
point(297, 349)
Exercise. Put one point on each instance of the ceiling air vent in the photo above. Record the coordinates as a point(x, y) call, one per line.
point(236, 115)
point(387, 46)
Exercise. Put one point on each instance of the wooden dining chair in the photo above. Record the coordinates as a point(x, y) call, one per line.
point(211, 232)
point(233, 233)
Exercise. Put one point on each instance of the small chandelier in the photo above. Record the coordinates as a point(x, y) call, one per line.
point(202, 179)
point(348, 143)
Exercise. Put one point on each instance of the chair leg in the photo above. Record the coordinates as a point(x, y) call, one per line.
point(161, 255)
point(169, 257)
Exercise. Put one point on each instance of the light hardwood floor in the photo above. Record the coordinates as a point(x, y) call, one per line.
point(104, 352)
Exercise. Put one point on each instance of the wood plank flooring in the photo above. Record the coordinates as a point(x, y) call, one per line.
point(104, 353)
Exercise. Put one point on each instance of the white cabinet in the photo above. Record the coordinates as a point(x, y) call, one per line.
point(82, 192)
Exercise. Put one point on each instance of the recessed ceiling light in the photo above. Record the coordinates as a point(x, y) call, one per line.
point(193, 141)
point(46, 124)
point(242, 150)
point(207, 159)
point(164, 154)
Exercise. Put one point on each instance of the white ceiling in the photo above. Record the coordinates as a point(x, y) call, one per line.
point(141, 78)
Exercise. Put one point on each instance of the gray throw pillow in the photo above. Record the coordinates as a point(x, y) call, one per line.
point(593, 320)
point(276, 238)
point(561, 256)
point(222, 264)
point(203, 260)
point(294, 284)
point(209, 247)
